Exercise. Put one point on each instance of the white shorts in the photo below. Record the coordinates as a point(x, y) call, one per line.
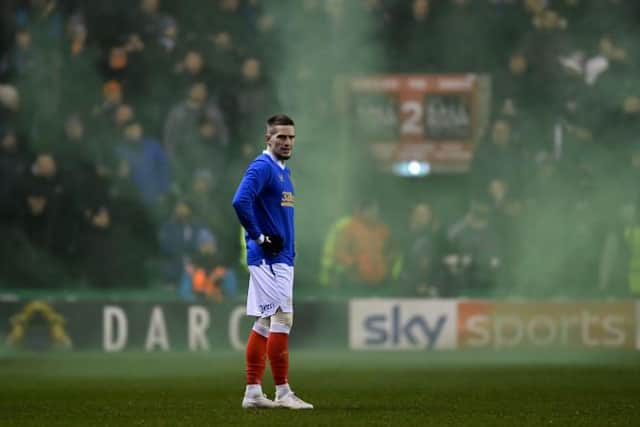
point(270, 288)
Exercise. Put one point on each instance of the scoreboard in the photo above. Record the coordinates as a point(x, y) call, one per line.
point(419, 124)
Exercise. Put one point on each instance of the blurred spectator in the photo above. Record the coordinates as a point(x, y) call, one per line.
point(9, 99)
point(74, 134)
point(117, 244)
point(475, 253)
point(38, 242)
point(207, 198)
point(44, 15)
point(422, 269)
point(222, 56)
point(111, 97)
point(80, 166)
point(266, 25)
point(40, 23)
point(124, 114)
point(77, 162)
point(497, 157)
point(150, 21)
point(203, 196)
point(191, 68)
point(178, 240)
point(196, 135)
point(329, 268)
point(77, 34)
point(79, 80)
point(205, 275)
point(14, 161)
point(109, 131)
point(252, 102)
point(236, 18)
point(360, 256)
point(47, 217)
point(145, 163)
point(116, 64)
point(9, 107)
point(40, 201)
point(420, 9)
point(23, 60)
point(123, 63)
point(96, 262)
point(168, 34)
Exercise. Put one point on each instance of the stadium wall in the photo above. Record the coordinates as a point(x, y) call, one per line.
point(358, 324)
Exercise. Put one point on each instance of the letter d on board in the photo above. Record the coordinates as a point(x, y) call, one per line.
point(114, 328)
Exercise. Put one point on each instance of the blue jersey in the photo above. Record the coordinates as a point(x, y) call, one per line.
point(264, 203)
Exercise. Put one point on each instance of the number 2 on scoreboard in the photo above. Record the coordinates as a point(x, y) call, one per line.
point(411, 118)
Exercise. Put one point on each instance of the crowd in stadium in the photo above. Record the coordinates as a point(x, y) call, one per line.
point(123, 123)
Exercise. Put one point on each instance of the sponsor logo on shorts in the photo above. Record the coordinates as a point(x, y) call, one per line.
point(265, 307)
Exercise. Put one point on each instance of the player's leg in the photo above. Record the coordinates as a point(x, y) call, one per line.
point(256, 358)
point(256, 355)
point(278, 341)
point(256, 350)
point(278, 349)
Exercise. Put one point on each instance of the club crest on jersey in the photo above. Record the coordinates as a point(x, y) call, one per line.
point(281, 177)
point(288, 199)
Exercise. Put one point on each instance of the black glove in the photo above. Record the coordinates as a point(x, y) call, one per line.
point(272, 245)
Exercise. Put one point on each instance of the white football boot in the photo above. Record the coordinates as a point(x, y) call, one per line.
point(291, 401)
point(258, 400)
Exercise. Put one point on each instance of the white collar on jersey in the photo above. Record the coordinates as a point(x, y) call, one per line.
point(279, 162)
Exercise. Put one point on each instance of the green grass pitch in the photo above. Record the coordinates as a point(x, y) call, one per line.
point(347, 388)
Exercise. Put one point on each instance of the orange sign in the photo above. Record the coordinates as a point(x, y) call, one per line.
point(485, 324)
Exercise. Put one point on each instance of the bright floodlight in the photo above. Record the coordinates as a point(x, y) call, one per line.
point(415, 168)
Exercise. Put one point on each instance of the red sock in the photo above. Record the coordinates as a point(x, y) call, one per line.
point(256, 355)
point(278, 349)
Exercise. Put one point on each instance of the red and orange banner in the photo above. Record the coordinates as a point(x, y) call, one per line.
point(488, 324)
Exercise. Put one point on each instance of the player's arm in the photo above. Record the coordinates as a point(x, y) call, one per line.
point(251, 185)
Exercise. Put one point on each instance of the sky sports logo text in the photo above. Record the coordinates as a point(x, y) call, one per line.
point(382, 328)
point(588, 324)
point(402, 324)
point(412, 324)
